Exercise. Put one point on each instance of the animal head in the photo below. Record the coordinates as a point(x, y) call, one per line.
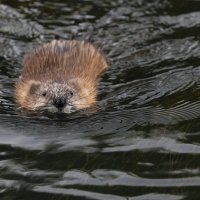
point(55, 96)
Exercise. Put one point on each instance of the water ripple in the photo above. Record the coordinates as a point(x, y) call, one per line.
point(142, 140)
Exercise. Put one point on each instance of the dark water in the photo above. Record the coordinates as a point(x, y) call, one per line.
point(144, 142)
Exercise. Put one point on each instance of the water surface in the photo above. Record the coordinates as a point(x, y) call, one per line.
point(144, 141)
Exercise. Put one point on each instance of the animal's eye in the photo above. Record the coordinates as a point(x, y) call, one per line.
point(44, 94)
point(71, 93)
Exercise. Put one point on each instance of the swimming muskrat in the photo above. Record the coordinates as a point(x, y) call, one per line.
point(61, 75)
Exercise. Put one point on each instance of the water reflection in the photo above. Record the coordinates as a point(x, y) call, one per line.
point(142, 142)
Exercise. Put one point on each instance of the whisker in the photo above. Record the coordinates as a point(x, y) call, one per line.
point(48, 105)
point(82, 97)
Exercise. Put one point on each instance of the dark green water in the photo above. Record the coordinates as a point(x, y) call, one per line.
point(144, 142)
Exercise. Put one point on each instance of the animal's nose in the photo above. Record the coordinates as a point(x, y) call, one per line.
point(59, 102)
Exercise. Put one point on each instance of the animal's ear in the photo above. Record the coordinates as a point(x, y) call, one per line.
point(34, 86)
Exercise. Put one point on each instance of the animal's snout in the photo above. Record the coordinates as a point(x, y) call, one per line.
point(59, 102)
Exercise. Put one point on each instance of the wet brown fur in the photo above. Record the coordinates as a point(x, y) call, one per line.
point(62, 60)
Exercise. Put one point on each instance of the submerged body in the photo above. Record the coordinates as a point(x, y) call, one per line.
point(60, 76)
